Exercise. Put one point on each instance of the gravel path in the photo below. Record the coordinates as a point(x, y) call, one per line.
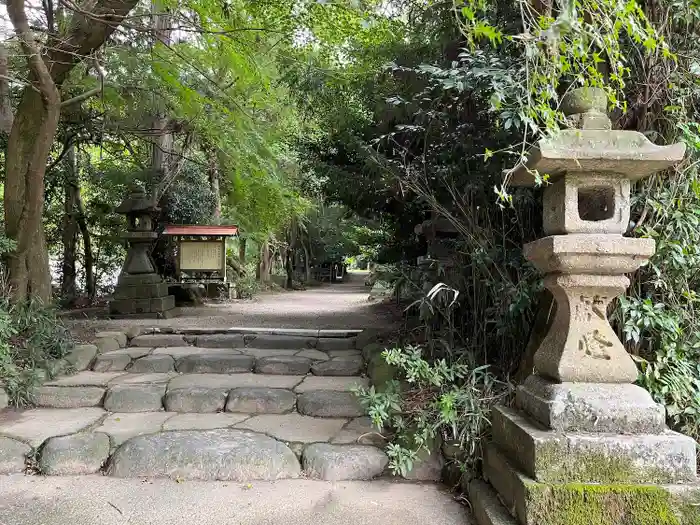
point(341, 305)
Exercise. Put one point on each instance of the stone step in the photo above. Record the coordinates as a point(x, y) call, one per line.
point(319, 396)
point(217, 446)
point(197, 359)
point(265, 340)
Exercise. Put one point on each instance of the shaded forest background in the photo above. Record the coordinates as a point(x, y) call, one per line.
point(331, 129)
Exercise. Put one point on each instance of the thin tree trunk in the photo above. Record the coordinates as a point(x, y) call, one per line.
point(215, 187)
point(70, 228)
point(241, 250)
point(265, 260)
point(307, 262)
point(89, 259)
point(289, 268)
point(162, 146)
point(6, 116)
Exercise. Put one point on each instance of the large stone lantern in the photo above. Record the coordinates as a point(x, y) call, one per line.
point(140, 291)
point(585, 445)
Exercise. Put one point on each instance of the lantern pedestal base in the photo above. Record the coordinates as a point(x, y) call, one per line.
point(142, 295)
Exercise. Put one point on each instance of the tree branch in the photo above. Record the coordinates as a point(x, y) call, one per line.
point(6, 116)
point(66, 146)
point(47, 87)
point(86, 33)
point(81, 97)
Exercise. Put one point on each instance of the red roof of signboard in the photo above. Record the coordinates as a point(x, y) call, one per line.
point(190, 229)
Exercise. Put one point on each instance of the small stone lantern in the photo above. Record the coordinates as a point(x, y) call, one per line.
point(585, 441)
point(440, 235)
point(140, 291)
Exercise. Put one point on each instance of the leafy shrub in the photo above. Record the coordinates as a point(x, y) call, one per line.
point(433, 402)
point(659, 319)
point(32, 338)
point(247, 285)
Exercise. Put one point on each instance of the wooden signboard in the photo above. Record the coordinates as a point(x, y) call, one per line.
point(203, 256)
point(201, 251)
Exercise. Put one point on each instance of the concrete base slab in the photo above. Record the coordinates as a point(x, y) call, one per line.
point(86, 500)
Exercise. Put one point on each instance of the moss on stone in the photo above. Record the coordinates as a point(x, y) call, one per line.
point(604, 504)
point(687, 504)
point(371, 350)
point(380, 372)
point(554, 463)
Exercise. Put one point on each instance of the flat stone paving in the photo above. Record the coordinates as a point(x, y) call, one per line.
point(37, 425)
point(295, 427)
point(73, 430)
point(238, 405)
point(226, 360)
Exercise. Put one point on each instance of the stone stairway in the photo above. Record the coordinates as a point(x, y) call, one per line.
point(239, 404)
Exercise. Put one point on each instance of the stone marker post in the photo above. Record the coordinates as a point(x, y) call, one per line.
point(585, 446)
point(140, 291)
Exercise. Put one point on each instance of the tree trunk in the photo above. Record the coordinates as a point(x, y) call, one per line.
point(265, 260)
point(89, 259)
point(215, 187)
point(70, 228)
point(307, 262)
point(241, 250)
point(289, 267)
point(33, 130)
point(163, 142)
point(6, 116)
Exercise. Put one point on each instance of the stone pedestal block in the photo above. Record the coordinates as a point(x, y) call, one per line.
point(142, 298)
point(590, 407)
point(556, 457)
point(571, 503)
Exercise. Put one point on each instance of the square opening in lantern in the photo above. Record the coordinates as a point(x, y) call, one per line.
point(596, 203)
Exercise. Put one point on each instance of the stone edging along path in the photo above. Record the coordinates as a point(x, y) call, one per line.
point(239, 404)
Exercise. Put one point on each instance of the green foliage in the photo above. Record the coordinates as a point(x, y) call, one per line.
point(660, 318)
point(567, 43)
point(433, 401)
point(31, 340)
point(247, 285)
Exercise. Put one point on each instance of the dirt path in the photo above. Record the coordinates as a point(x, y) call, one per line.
point(342, 305)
